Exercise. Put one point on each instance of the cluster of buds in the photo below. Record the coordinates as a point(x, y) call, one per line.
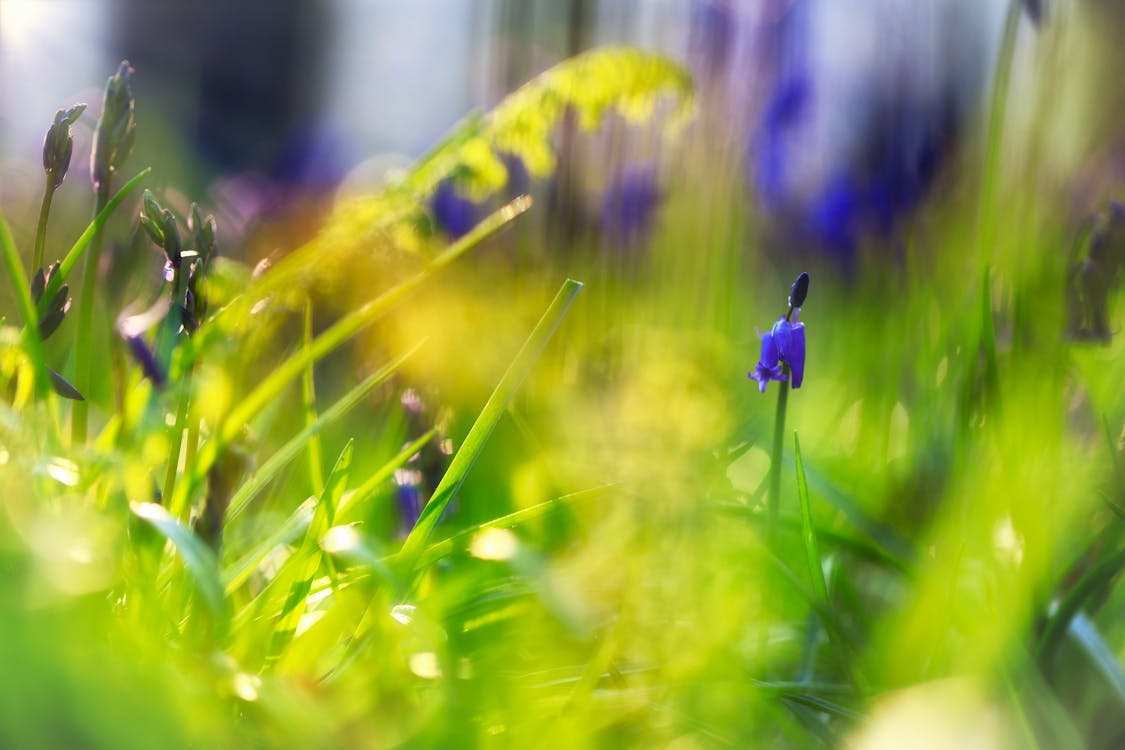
point(113, 139)
point(52, 315)
point(183, 267)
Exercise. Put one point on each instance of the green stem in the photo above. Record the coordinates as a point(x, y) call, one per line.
point(774, 499)
point(31, 342)
point(41, 229)
point(997, 112)
point(84, 340)
point(175, 439)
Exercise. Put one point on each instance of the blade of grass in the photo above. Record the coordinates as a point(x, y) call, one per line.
point(808, 532)
point(196, 555)
point(880, 533)
point(84, 332)
point(307, 560)
point(16, 273)
point(1085, 633)
point(308, 398)
point(275, 463)
point(294, 526)
point(353, 501)
point(1090, 584)
point(486, 421)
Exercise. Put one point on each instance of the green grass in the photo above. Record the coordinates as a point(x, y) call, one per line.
point(600, 563)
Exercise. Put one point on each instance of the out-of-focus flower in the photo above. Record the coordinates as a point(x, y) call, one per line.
point(713, 29)
point(867, 100)
point(454, 213)
point(629, 206)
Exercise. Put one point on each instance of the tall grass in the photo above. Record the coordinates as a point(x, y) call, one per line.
point(218, 562)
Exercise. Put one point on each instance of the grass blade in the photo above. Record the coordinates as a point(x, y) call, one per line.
point(307, 560)
point(294, 526)
point(196, 555)
point(1090, 584)
point(486, 421)
point(308, 399)
point(16, 273)
point(808, 533)
point(279, 460)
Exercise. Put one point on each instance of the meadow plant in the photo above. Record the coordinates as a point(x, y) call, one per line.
point(331, 501)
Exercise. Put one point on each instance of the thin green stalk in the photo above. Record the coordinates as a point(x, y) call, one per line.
point(84, 336)
point(774, 498)
point(41, 228)
point(997, 112)
point(175, 440)
point(18, 276)
point(84, 241)
point(308, 395)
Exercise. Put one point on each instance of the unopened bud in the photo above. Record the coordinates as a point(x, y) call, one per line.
point(799, 290)
point(58, 144)
point(113, 139)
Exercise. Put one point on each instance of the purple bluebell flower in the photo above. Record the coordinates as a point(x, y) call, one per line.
point(850, 138)
point(454, 213)
point(769, 363)
point(784, 344)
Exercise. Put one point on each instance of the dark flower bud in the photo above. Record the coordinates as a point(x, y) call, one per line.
point(113, 138)
point(58, 145)
point(202, 233)
point(62, 387)
point(38, 284)
point(57, 309)
point(799, 290)
point(160, 225)
point(146, 359)
point(50, 323)
point(173, 245)
point(152, 229)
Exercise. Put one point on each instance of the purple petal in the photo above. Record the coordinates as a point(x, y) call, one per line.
point(795, 354)
point(770, 353)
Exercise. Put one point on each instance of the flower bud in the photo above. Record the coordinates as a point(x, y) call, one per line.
point(113, 139)
point(799, 290)
point(58, 144)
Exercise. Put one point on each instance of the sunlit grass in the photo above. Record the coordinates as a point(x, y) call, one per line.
point(594, 566)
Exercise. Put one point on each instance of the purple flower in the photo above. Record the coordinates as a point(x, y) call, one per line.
point(784, 344)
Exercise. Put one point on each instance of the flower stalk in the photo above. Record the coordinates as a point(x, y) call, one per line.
point(782, 360)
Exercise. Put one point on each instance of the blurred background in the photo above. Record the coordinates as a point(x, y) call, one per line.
point(945, 170)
